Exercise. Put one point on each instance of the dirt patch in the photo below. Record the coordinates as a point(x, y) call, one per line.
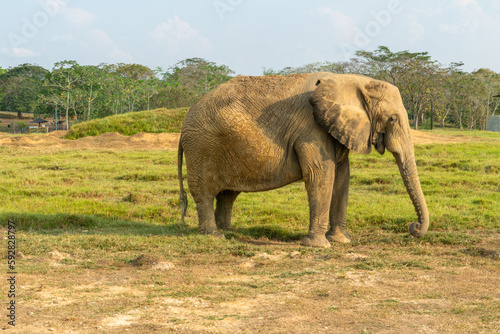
point(420, 137)
point(112, 140)
point(314, 295)
point(145, 261)
point(155, 141)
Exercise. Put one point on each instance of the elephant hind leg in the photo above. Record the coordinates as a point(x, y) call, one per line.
point(224, 208)
point(206, 216)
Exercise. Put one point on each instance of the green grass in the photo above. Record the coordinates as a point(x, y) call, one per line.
point(463, 133)
point(137, 192)
point(153, 121)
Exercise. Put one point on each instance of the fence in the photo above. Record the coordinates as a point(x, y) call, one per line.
point(23, 128)
point(493, 123)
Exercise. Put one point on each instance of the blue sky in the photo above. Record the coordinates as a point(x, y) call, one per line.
point(246, 35)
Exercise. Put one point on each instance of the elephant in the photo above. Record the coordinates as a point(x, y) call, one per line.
point(257, 133)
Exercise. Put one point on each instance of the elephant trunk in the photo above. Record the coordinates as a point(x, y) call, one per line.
point(408, 169)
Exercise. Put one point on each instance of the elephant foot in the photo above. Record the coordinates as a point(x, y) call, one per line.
point(338, 235)
point(316, 241)
point(212, 232)
point(225, 227)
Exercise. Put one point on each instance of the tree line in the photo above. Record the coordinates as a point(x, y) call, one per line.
point(87, 92)
point(432, 92)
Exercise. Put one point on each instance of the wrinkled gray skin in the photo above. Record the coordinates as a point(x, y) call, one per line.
point(261, 133)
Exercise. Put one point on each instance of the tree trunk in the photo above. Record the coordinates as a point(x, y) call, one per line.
point(90, 100)
point(67, 112)
point(442, 120)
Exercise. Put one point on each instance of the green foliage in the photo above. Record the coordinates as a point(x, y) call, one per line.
point(20, 86)
point(88, 92)
point(153, 121)
point(199, 75)
point(22, 125)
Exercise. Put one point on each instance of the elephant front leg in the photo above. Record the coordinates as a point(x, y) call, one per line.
point(319, 191)
point(338, 210)
point(224, 207)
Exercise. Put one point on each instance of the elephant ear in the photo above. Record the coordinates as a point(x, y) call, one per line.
point(339, 107)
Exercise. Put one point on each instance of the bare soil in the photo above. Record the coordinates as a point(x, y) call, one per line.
point(454, 294)
point(112, 140)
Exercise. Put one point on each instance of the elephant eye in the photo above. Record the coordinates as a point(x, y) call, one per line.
point(392, 119)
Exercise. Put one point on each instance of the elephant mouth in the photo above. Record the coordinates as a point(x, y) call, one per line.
point(378, 142)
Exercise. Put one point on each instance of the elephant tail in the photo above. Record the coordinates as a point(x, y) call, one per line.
point(183, 201)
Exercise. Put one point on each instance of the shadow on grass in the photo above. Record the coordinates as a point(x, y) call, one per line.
point(272, 233)
point(61, 223)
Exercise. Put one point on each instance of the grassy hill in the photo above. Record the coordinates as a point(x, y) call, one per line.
point(152, 121)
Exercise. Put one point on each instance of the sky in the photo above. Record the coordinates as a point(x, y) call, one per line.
point(245, 35)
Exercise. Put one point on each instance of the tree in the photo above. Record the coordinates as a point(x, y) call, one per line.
point(414, 73)
point(20, 87)
point(386, 65)
point(130, 86)
point(342, 67)
point(491, 82)
point(90, 83)
point(149, 89)
point(172, 96)
point(198, 74)
point(134, 72)
point(63, 78)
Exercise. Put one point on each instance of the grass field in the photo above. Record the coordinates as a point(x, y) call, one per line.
point(101, 249)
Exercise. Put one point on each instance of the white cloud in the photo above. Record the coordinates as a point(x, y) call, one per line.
point(344, 26)
point(416, 30)
point(175, 28)
point(495, 4)
point(63, 38)
point(79, 17)
point(18, 52)
point(449, 28)
point(434, 11)
point(473, 18)
point(174, 33)
point(109, 47)
point(471, 7)
point(100, 37)
point(53, 7)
